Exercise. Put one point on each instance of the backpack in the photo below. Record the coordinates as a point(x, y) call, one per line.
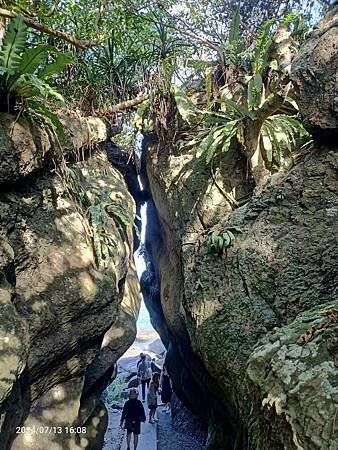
point(144, 370)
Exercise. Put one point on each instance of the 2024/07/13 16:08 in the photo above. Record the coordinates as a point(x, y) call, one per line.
point(51, 430)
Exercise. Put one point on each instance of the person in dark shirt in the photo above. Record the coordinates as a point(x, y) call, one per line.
point(166, 390)
point(140, 360)
point(132, 416)
point(154, 367)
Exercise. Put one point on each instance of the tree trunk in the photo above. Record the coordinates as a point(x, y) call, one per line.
point(252, 130)
point(2, 29)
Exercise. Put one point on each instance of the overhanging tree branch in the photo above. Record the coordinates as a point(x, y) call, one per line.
point(79, 43)
point(120, 107)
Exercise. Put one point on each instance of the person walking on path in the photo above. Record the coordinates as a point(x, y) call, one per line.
point(152, 397)
point(154, 366)
point(132, 416)
point(166, 390)
point(144, 374)
point(140, 360)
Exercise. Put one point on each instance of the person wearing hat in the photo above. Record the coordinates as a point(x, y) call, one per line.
point(132, 416)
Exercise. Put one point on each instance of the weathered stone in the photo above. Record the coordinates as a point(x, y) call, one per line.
point(27, 147)
point(314, 75)
point(56, 411)
point(217, 308)
point(293, 378)
point(14, 344)
point(59, 297)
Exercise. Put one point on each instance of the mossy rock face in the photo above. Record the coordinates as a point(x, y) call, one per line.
point(59, 303)
point(282, 263)
point(293, 377)
point(314, 76)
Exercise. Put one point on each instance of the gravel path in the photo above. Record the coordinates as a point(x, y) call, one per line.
point(114, 434)
point(170, 439)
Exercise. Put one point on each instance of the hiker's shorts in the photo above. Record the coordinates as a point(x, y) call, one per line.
point(133, 427)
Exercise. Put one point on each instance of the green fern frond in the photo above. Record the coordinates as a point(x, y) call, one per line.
point(234, 28)
point(56, 67)
point(32, 58)
point(262, 46)
point(234, 108)
point(47, 116)
point(13, 44)
point(119, 214)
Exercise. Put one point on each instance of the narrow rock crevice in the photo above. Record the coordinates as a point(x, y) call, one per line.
point(192, 382)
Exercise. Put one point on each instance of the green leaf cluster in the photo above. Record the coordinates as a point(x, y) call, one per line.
point(98, 210)
point(24, 71)
point(219, 240)
point(280, 136)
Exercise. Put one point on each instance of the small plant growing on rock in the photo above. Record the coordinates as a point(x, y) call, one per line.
point(220, 239)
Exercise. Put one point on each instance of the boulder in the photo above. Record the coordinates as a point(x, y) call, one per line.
point(314, 76)
point(293, 378)
point(156, 347)
point(282, 263)
point(68, 307)
point(28, 147)
point(129, 364)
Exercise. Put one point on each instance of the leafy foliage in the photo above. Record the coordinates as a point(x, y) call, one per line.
point(280, 136)
point(221, 238)
point(23, 72)
point(226, 120)
point(280, 133)
point(114, 391)
point(98, 210)
point(13, 45)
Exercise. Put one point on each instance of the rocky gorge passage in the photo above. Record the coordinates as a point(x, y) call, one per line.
point(250, 332)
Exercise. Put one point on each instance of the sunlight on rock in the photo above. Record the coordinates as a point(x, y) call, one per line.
point(130, 303)
point(4, 340)
point(74, 362)
point(70, 225)
point(39, 306)
point(111, 335)
point(87, 286)
point(95, 421)
point(11, 341)
point(83, 258)
point(277, 401)
point(84, 442)
point(59, 393)
point(28, 439)
point(50, 415)
point(5, 296)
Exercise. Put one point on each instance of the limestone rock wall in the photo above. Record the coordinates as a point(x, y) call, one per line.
point(217, 308)
point(252, 332)
point(27, 147)
point(314, 76)
point(65, 319)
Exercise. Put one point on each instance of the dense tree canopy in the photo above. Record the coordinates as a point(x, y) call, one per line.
point(117, 44)
point(98, 53)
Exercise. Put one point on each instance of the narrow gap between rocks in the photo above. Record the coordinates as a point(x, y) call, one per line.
point(161, 435)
